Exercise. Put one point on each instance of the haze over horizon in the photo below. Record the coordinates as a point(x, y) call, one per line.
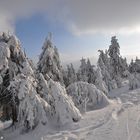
point(79, 27)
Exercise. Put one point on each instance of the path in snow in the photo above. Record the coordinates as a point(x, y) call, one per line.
point(90, 122)
point(125, 127)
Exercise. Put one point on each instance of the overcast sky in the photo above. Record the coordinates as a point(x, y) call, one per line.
point(85, 25)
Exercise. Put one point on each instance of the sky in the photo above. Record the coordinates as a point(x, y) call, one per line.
point(79, 27)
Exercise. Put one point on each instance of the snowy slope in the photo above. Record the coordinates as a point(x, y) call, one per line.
point(118, 121)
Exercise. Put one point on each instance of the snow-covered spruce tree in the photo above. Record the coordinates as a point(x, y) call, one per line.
point(135, 66)
point(114, 53)
point(86, 72)
point(115, 61)
point(65, 110)
point(86, 96)
point(32, 109)
point(118, 64)
point(82, 72)
point(18, 89)
point(134, 81)
point(105, 70)
point(62, 108)
point(99, 83)
point(131, 66)
point(49, 62)
point(124, 65)
point(70, 76)
point(105, 58)
point(42, 86)
point(8, 69)
point(65, 76)
point(90, 72)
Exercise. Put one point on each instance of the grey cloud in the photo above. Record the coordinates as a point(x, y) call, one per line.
point(103, 15)
point(80, 16)
point(11, 10)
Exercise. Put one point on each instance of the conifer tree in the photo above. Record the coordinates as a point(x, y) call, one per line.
point(18, 95)
point(114, 53)
point(99, 83)
point(82, 73)
point(71, 74)
point(49, 62)
point(104, 66)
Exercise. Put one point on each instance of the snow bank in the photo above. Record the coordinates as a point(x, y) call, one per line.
point(86, 96)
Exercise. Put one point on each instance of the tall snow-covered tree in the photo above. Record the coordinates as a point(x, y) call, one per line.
point(82, 72)
point(32, 109)
point(49, 62)
point(114, 53)
point(18, 95)
point(65, 76)
point(64, 109)
point(135, 66)
point(86, 72)
point(124, 64)
point(104, 66)
point(131, 66)
point(99, 83)
point(105, 58)
point(90, 72)
point(134, 80)
point(118, 65)
point(71, 75)
point(11, 62)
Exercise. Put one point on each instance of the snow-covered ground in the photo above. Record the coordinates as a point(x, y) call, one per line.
point(118, 121)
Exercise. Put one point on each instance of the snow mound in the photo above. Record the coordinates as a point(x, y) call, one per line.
point(62, 105)
point(86, 96)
